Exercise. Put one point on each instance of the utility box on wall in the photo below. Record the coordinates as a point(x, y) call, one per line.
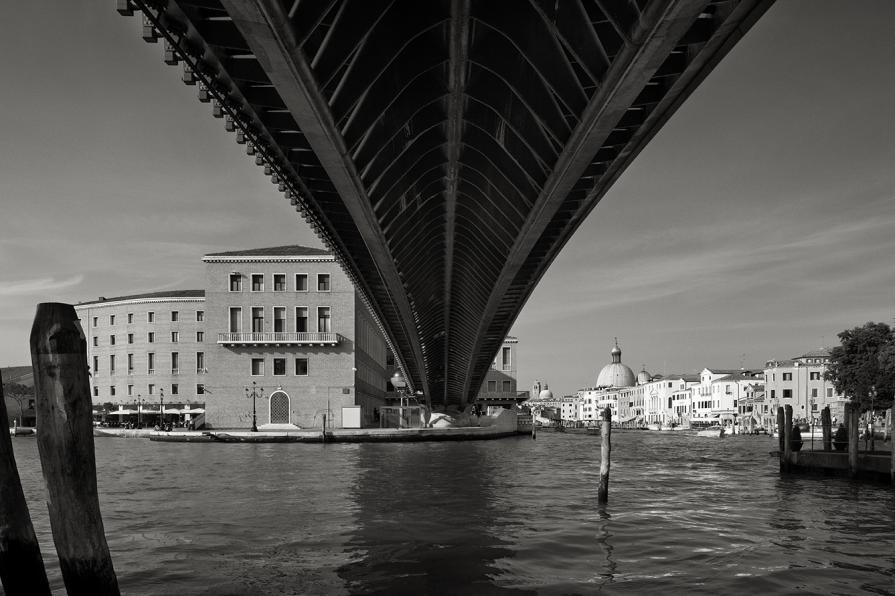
point(351, 416)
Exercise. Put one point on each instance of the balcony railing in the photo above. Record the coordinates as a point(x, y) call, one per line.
point(272, 337)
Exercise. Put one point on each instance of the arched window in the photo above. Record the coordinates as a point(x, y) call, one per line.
point(279, 408)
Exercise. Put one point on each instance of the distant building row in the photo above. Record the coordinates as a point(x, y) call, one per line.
point(714, 396)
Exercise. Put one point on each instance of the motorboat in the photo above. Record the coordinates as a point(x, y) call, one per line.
point(715, 432)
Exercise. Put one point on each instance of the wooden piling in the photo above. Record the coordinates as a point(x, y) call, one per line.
point(534, 428)
point(787, 438)
point(852, 415)
point(826, 422)
point(781, 425)
point(65, 443)
point(891, 444)
point(21, 565)
point(605, 450)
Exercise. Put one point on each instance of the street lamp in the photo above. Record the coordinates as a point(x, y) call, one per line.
point(139, 403)
point(161, 408)
point(255, 393)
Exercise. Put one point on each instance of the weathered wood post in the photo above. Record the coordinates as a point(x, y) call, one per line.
point(781, 425)
point(826, 422)
point(891, 444)
point(21, 565)
point(605, 450)
point(787, 438)
point(852, 418)
point(65, 443)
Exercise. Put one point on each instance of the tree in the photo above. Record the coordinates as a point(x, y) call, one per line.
point(22, 395)
point(863, 367)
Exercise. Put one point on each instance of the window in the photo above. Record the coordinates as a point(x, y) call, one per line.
point(814, 392)
point(323, 282)
point(175, 363)
point(111, 319)
point(95, 340)
point(130, 318)
point(507, 386)
point(112, 390)
point(200, 389)
point(773, 392)
point(787, 393)
point(150, 368)
point(279, 319)
point(175, 337)
point(130, 338)
point(112, 363)
point(130, 390)
point(200, 362)
point(150, 317)
point(235, 282)
point(505, 358)
point(279, 366)
point(257, 319)
point(323, 319)
point(95, 364)
point(815, 376)
point(130, 364)
point(301, 367)
point(200, 336)
point(301, 282)
point(95, 320)
point(151, 389)
point(174, 316)
point(279, 282)
point(235, 319)
point(257, 367)
point(96, 392)
point(830, 392)
point(787, 376)
point(301, 319)
point(492, 386)
point(152, 337)
point(175, 389)
point(257, 282)
point(200, 315)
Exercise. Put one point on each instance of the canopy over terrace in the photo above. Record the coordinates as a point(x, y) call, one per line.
point(445, 150)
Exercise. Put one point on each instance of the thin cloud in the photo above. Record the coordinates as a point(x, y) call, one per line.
point(27, 287)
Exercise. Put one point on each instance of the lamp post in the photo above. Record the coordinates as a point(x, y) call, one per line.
point(255, 393)
point(161, 408)
point(139, 404)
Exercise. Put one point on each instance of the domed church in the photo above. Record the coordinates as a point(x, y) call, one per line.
point(616, 374)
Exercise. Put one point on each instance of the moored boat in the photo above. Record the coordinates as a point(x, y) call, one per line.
point(715, 432)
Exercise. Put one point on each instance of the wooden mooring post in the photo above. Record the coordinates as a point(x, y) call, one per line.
point(22, 569)
point(826, 422)
point(852, 416)
point(781, 422)
point(787, 438)
point(891, 444)
point(65, 442)
point(605, 450)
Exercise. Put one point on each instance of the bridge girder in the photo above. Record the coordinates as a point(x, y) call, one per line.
point(446, 150)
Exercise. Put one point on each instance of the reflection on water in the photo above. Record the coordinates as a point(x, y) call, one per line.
point(685, 515)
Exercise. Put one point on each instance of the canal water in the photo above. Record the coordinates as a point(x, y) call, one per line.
point(687, 515)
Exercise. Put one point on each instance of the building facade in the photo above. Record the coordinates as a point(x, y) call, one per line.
point(282, 323)
point(800, 382)
point(499, 389)
point(287, 322)
point(146, 349)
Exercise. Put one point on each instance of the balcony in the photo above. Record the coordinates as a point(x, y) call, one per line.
point(280, 338)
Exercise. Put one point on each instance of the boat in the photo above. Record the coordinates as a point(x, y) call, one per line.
point(715, 432)
point(22, 431)
point(252, 438)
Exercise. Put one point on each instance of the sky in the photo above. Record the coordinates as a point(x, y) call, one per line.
point(757, 224)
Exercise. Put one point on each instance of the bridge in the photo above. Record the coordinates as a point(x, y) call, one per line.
point(444, 150)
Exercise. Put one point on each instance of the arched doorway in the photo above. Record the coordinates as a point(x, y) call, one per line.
point(279, 408)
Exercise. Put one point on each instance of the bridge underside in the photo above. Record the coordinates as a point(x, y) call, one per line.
point(445, 150)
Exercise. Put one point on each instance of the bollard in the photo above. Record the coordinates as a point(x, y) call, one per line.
point(605, 449)
point(787, 438)
point(21, 565)
point(65, 443)
point(852, 414)
point(826, 422)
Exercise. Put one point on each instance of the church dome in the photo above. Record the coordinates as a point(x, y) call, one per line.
point(546, 393)
point(643, 377)
point(616, 374)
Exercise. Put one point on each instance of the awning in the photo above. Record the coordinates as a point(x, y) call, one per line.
point(192, 411)
point(123, 412)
